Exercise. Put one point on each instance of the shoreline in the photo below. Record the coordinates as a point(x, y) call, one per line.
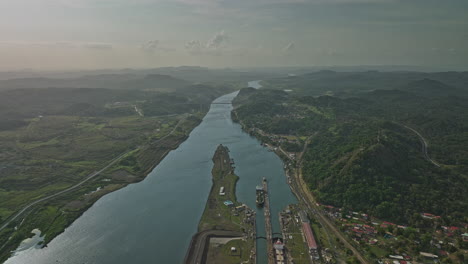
point(294, 179)
point(221, 220)
point(169, 142)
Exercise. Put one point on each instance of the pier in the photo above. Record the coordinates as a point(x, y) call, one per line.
point(268, 229)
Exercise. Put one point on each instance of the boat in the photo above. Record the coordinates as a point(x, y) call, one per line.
point(280, 256)
point(260, 200)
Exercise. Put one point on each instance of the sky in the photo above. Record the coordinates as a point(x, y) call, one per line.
point(96, 34)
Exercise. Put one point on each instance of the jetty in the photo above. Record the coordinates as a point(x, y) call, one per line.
point(268, 228)
point(226, 231)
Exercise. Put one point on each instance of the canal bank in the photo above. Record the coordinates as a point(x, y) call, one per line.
point(154, 220)
point(226, 232)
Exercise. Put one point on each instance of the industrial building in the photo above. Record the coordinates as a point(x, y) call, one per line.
point(309, 236)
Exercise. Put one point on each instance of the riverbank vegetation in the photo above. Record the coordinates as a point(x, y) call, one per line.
point(365, 153)
point(54, 138)
point(225, 219)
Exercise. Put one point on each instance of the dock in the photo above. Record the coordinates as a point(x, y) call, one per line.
point(268, 228)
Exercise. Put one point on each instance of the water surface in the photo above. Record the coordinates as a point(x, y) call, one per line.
point(154, 220)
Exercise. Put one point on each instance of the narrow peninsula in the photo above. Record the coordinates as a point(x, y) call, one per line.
point(226, 232)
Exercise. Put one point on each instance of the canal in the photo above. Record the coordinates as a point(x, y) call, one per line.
point(154, 220)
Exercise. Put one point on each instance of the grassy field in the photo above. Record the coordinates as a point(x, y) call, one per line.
point(218, 216)
point(222, 253)
point(43, 165)
point(297, 245)
point(55, 138)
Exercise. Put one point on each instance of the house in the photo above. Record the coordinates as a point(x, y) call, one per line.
point(429, 216)
point(307, 231)
point(428, 255)
point(228, 203)
point(240, 208)
point(465, 237)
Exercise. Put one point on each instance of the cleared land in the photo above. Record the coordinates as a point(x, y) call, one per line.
point(221, 220)
point(54, 139)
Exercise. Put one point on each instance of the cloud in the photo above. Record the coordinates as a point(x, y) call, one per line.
point(443, 51)
point(217, 41)
point(290, 47)
point(194, 47)
point(150, 46)
point(62, 44)
point(88, 3)
point(97, 46)
point(214, 46)
point(279, 29)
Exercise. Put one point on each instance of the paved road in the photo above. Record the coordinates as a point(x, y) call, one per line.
point(138, 110)
point(424, 145)
point(304, 194)
point(91, 176)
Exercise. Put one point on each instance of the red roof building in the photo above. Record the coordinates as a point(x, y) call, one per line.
point(309, 236)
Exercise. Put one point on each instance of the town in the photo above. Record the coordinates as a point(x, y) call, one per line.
point(353, 236)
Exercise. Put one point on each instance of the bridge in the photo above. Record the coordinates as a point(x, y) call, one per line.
point(279, 235)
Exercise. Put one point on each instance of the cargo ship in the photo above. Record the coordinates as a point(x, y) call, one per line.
point(260, 196)
point(280, 256)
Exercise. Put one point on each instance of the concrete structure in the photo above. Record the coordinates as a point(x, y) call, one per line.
point(428, 255)
point(268, 228)
point(303, 216)
point(309, 236)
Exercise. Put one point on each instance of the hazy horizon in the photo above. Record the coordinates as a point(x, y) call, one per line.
point(309, 68)
point(105, 34)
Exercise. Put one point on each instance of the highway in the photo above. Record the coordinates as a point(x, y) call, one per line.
point(303, 194)
point(138, 111)
point(89, 177)
point(424, 145)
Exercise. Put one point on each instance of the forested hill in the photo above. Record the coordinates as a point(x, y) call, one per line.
point(349, 84)
point(365, 153)
point(109, 81)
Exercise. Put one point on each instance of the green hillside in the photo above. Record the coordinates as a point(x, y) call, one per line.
point(363, 154)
